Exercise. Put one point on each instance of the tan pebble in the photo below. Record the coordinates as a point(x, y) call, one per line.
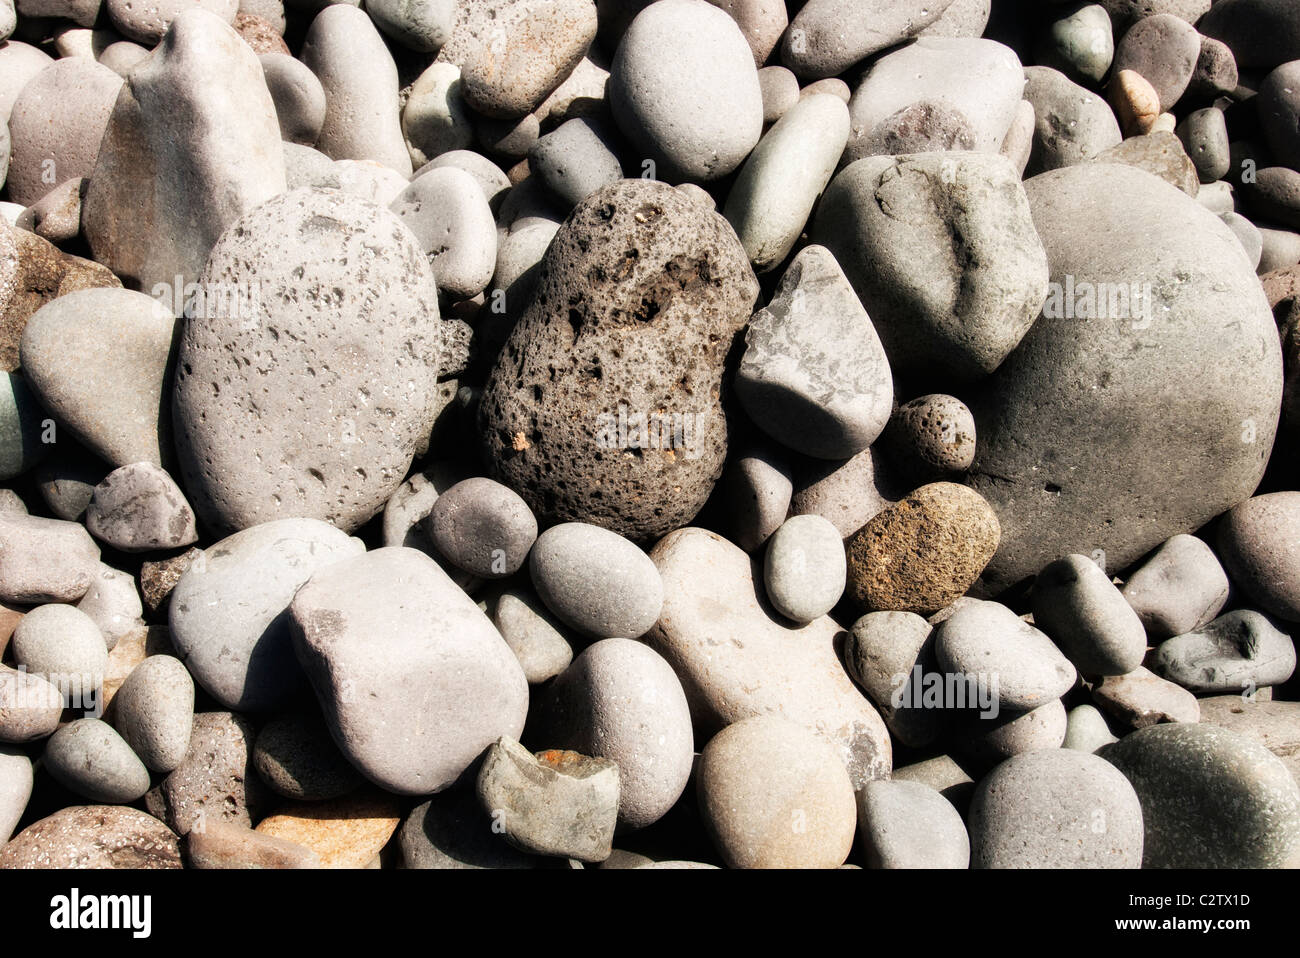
point(345, 832)
point(1136, 103)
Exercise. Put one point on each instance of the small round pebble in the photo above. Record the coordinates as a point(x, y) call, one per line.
point(483, 527)
point(154, 711)
point(63, 644)
point(804, 568)
point(90, 758)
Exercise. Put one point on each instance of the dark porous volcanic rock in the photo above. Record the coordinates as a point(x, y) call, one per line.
point(639, 299)
point(1115, 433)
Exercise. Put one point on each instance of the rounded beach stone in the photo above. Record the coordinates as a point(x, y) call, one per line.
point(1259, 547)
point(774, 795)
point(215, 781)
point(987, 639)
point(298, 96)
point(113, 604)
point(1164, 50)
point(1136, 102)
point(449, 216)
point(1237, 652)
point(755, 490)
point(780, 91)
point(45, 560)
point(146, 22)
point(436, 119)
point(227, 612)
point(362, 112)
point(891, 655)
point(296, 758)
point(1086, 729)
point(139, 508)
point(924, 552)
point(90, 758)
point(300, 403)
point(64, 645)
point(30, 706)
point(1142, 698)
point(23, 422)
point(221, 845)
point(346, 832)
point(910, 825)
point(596, 581)
point(154, 712)
point(1274, 724)
point(814, 375)
point(804, 568)
point(538, 639)
point(620, 700)
point(826, 37)
point(1071, 123)
point(1056, 808)
point(576, 159)
point(934, 435)
point(1205, 137)
point(57, 122)
point(94, 836)
point(1211, 798)
point(423, 25)
point(482, 527)
point(1078, 41)
point(684, 89)
point(989, 737)
point(16, 781)
point(413, 679)
point(1076, 604)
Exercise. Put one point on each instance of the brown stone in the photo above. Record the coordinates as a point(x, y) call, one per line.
point(33, 272)
point(226, 845)
point(260, 34)
point(345, 832)
point(1142, 698)
point(1160, 153)
point(94, 836)
point(157, 579)
point(1136, 103)
point(924, 552)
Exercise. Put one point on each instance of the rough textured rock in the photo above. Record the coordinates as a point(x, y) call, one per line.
point(1059, 475)
point(228, 610)
point(1210, 798)
point(359, 364)
point(192, 143)
point(736, 659)
point(452, 830)
point(924, 552)
point(94, 836)
point(943, 253)
point(413, 679)
point(604, 405)
point(216, 781)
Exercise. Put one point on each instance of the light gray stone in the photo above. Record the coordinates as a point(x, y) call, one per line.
point(449, 216)
point(422, 25)
point(45, 560)
point(1086, 729)
point(482, 527)
point(804, 568)
point(139, 508)
point(298, 96)
point(826, 37)
point(1078, 41)
point(891, 655)
point(538, 639)
point(910, 825)
point(1164, 50)
point(1237, 652)
point(1072, 123)
point(30, 707)
point(1141, 698)
point(15, 783)
point(23, 420)
point(436, 119)
point(154, 712)
point(90, 758)
point(1179, 589)
point(113, 604)
point(147, 22)
point(576, 159)
point(1258, 547)
point(1079, 608)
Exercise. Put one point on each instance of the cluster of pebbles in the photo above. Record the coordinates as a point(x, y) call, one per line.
point(694, 433)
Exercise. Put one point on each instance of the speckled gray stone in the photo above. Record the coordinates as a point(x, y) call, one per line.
point(63, 644)
point(1211, 798)
point(985, 742)
point(826, 37)
point(1056, 808)
point(228, 611)
point(1259, 548)
point(804, 568)
point(910, 825)
point(436, 119)
point(1164, 50)
point(1180, 588)
point(30, 707)
point(15, 788)
point(216, 781)
point(154, 711)
point(482, 527)
point(298, 96)
point(90, 758)
point(1240, 651)
point(538, 639)
point(45, 560)
point(931, 437)
point(891, 655)
point(576, 159)
point(1072, 123)
point(94, 836)
point(113, 604)
point(139, 508)
point(423, 25)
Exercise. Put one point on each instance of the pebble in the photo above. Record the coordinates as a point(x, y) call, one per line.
point(576, 159)
point(980, 82)
point(994, 271)
point(299, 98)
point(556, 803)
point(413, 679)
point(1211, 798)
point(1135, 101)
point(22, 422)
point(482, 527)
point(986, 742)
point(62, 644)
point(224, 845)
point(596, 581)
point(775, 795)
point(146, 23)
point(1216, 69)
point(1057, 808)
point(123, 56)
point(1256, 541)
point(923, 552)
point(215, 781)
point(1096, 488)
point(780, 90)
point(56, 216)
point(1252, 243)
point(931, 437)
point(139, 508)
point(907, 824)
point(228, 614)
point(30, 707)
point(44, 560)
point(736, 661)
point(620, 700)
point(1240, 651)
point(891, 656)
point(436, 119)
point(804, 568)
point(684, 90)
point(1072, 123)
point(1160, 153)
point(814, 374)
point(55, 125)
point(527, 52)
point(424, 26)
point(245, 454)
point(1275, 725)
point(100, 361)
point(93, 836)
point(159, 578)
point(295, 756)
point(452, 830)
point(154, 712)
point(1164, 50)
point(15, 788)
point(151, 213)
point(826, 37)
point(344, 832)
point(1141, 698)
point(1204, 134)
point(1086, 729)
point(359, 77)
point(113, 604)
point(449, 216)
point(1079, 42)
point(538, 639)
point(942, 774)
point(755, 492)
point(773, 195)
point(1079, 608)
point(591, 428)
point(90, 758)
point(987, 641)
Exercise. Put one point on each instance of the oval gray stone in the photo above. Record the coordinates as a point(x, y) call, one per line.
point(15, 788)
point(1180, 588)
point(90, 758)
point(449, 216)
point(45, 560)
point(1079, 608)
point(1237, 652)
point(139, 508)
point(804, 568)
point(483, 527)
point(910, 825)
point(1258, 545)
point(64, 646)
point(154, 712)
